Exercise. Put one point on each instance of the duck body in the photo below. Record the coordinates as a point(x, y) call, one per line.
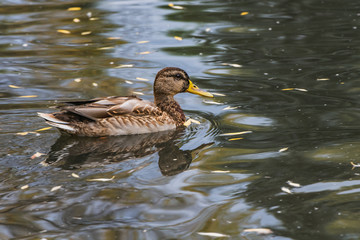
point(112, 116)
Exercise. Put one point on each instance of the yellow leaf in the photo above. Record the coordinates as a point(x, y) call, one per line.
point(141, 42)
point(63, 31)
point(76, 20)
point(37, 155)
point(22, 133)
point(101, 179)
point(125, 66)
point(74, 9)
point(244, 13)
point(24, 187)
point(178, 38)
point(175, 7)
point(143, 53)
point(259, 230)
point(75, 175)
point(105, 48)
point(86, 33)
point(138, 93)
point(323, 79)
point(93, 19)
point(142, 79)
point(55, 188)
point(235, 133)
point(13, 86)
point(234, 139)
point(283, 149)
point(114, 38)
point(287, 89)
point(43, 129)
point(28, 96)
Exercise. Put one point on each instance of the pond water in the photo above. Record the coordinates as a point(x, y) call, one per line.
point(273, 150)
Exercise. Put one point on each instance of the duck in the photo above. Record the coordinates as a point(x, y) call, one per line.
point(128, 115)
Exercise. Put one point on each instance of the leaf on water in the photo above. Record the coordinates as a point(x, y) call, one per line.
point(283, 149)
point(258, 230)
point(63, 31)
point(178, 38)
point(144, 53)
point(24, 187)
point(142, 79)
point(100, 179)
point(95, 84)
point(301, 89)
point(189, 121)
point(77, 80)
point(29, 96)
point(114, 38)
point(22, 133)
point(323, 79)
point(220, 171)
point(229, 108)
point(74, 9)
point(55, 188)
point(38, 154)
point(13, 86)
point(76, 20)
point(293, 184)
point(219, 94)
point(94, 19)
point(354, 165)
point(212, 102)
point(286, 190)
point(142, 42)
point(175, 6)
point(86, 33)
point(75, 175)
point(129, 82)
point(232, 65)
point(137, 93)
point(212, 234)
point(244, 13)
point(105, 48)
point(296, 89)
point(287, 89)
point(235, 133)
point(125, 66)
point(43, 129)
point(234, 139)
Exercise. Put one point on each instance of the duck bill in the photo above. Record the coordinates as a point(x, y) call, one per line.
point(195, 90)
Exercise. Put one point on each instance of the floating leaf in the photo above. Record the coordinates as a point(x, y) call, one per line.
point(354, 165)
point(189, 121)
point(129, 82)
point(142, 42)
point(22, 133)
point(38, 154)
point(86, 33)
point(77, 80)
point(43, 129)
point(95, 84)
point(212, 102)
point(13, 86)
point(75, 175)
point(301, 89)
point(323, 79)
point(76, 20)
point(296, 89)
point(138, 93)
point(100, 179)
point(258, 230)
point(286, 190)
point(175, 6)
point(293, 184)
point(218, 94)
point(143, 53)
point(142, 79)
point(55, 188)
point(24, 187)
point(63, 31)
point(283, 149)
point(29, 96)
point(178, 38)
point(74, 9)
point(220, 171)
point(114, 38)
point(287, 89)
point(125, 66)
point(235, 133)
point(234, 139)
point(232, 65)
point(105, 48)
point(212, 234)
point(244, 13)
point(229, 108)
point(94, 19)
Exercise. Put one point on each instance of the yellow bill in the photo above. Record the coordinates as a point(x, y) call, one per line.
point(195, 90)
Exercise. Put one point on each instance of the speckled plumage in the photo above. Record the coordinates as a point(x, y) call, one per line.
point(127, 115)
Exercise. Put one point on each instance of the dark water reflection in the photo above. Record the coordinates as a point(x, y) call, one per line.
point(287, 74)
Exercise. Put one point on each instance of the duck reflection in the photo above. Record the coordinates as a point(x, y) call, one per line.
point(71, 152)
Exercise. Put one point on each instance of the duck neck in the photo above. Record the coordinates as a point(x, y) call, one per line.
point(168, 104)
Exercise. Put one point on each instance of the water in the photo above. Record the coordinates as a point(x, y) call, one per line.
point(287, 74)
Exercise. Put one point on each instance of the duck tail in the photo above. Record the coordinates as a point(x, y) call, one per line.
point(53, 121)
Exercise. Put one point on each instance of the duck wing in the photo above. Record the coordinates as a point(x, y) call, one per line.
point(99, 108)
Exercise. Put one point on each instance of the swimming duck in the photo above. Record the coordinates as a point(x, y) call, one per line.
point(111, 116)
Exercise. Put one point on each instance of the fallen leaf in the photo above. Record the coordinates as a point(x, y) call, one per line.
point(75, 175)
point(283, 149)
point(77, 80)
point(323, 79)
point(55, 188)
point(178, 38)
point(22, 133)
point(218, 94)
point(105, 48)
point(86, 33)
point(95, 84)
point(29, 96)
point(63, 31)
point(24, 187)
point(142, 79)
point(235, 133)
point(74, 9)
point(76, 20)
point(143, 53)
point(286, 190)
point(212, 102)
point(114, 38)
point(100, 179)
point(43, 129)
point(142, 42)
point(189, 121)
point(94, 18)
point(38, 154)
point(220, 171)
point(175, 6)
point(138, 93)
point(234, 139)
point(229, 108)
point(125, 66)
point(354, 165)
point(293, 184)
point(244, 13)
point(129, 82)
point(13, 86)
point(212, 234)
point(287, 89)
point(258, 230)
point(301, 89)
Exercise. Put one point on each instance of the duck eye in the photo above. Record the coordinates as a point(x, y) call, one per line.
point(178, 75)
